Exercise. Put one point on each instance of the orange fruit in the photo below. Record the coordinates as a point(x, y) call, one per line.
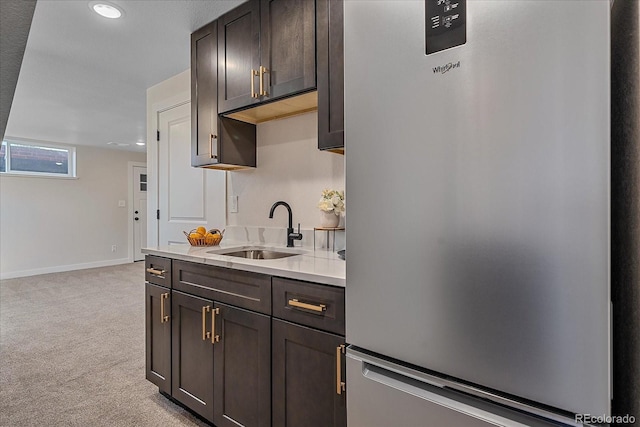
point(195, 236)
point(201, 230)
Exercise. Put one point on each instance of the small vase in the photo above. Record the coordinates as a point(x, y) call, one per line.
point(329, 219)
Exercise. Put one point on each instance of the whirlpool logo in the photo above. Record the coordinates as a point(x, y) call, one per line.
point(441, 69)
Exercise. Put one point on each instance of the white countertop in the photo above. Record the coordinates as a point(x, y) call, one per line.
point(320, 266)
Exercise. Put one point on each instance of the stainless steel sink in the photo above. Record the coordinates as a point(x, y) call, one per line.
point(256, 253)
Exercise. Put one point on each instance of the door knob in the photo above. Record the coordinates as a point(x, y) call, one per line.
point(136, 218)
point(136, 212)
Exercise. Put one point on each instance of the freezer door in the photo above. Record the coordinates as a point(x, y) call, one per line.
point(379, 397)
point(478, 195)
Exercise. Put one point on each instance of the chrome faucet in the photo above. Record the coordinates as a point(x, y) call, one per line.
point(291, 236)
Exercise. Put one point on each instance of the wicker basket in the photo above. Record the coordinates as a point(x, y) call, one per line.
point(205, 241)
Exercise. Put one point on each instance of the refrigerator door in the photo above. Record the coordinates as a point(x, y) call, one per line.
point(379, 397)
point(478, 196)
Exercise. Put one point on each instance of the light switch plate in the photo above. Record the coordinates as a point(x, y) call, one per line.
point(121, 203)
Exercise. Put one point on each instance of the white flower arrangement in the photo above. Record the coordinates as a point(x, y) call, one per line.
point(332, 201)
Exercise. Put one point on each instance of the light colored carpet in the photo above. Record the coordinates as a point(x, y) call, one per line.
point(72, 352)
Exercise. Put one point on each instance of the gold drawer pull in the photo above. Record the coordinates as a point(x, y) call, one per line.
point(205, 335)
point(159, 273)
point(340, 385)
point(263, 71)
point(319, 308)
point(214, 338)
point(163, 317)
point(254, 73)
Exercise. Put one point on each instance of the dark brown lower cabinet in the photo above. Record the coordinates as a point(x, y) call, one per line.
point(221, 361)
point(305, 377)
point(192, 353)
point(158, 336)
point(242, 368)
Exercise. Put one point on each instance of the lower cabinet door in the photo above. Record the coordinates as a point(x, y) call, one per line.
point(305, 377)
point(242, 366)
point(158, 336)
point(192, 353)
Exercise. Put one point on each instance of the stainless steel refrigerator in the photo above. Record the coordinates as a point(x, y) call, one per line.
point(478, 227)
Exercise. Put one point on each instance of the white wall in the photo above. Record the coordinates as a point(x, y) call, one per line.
point(290, 168)
point(52, 224)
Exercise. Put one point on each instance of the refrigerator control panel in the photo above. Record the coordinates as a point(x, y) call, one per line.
point(446, 24)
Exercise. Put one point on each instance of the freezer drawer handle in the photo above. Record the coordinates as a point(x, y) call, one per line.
point(319, 308)
point(340, 385)
point(428, 392)
point(154, 272)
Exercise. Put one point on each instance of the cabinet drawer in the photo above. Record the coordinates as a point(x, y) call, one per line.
point(240, 288)
point(309, 304)
point(158, 270)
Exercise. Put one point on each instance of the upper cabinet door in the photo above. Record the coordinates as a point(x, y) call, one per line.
point(330, 75)
point(288, 47)
point(239, 57)
point(204, 95)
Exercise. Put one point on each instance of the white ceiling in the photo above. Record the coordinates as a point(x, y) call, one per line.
point(84, 78)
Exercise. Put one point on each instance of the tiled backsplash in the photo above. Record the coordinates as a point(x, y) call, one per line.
point(278, 235)
point(290, 168)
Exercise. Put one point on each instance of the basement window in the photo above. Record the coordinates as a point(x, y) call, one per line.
point(37, 159)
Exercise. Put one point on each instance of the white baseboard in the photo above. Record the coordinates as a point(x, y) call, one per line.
point(61, 268)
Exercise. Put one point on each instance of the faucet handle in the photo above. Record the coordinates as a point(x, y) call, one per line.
point(295, 236)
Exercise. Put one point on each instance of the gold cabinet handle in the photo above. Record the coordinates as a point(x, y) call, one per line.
point(211, 153)
point(319, 308)
point(214, 338)
point(263, 71)
point(340, 385)
point(205, 334)
point(163, 297)
point(159, 273)
point(254, 73)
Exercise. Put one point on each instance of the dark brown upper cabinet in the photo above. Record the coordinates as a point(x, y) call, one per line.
point(266, 52)
point(218, 143)
point(330, 75)
point(239, 56)
point(288, 46)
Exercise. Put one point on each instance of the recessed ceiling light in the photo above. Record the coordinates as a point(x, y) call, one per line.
point(105, 9)
point(119, 144)
point(140, 143)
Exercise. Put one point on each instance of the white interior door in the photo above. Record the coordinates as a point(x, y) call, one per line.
point(187, 197)
point(139, 211)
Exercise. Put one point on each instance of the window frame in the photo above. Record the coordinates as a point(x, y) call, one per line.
point(71, 159)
